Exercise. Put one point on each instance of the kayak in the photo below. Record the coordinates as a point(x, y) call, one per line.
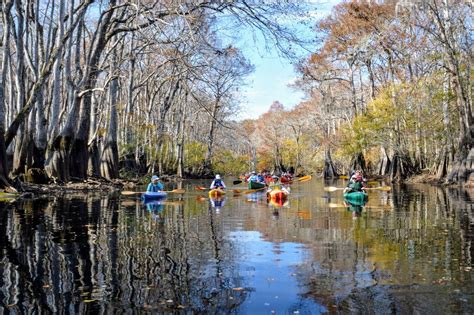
point(256, 185)
point(213, 193)
point(356, 198)
point(278, 204)
point(149, 195)
point(277, 195)
point(286, 179)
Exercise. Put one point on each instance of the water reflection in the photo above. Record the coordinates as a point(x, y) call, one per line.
point(410, 250)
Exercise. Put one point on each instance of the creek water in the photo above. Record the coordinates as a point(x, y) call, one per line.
point(406, 251)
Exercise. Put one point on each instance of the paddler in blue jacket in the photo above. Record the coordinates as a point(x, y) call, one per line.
point(155, 185)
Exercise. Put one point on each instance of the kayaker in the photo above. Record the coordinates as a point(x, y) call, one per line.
point(155, 185)
point(217, 183)
point(356, 183)
point(276, 185)
point(253, 177)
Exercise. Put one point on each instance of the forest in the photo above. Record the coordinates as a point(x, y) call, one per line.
point(118, 89)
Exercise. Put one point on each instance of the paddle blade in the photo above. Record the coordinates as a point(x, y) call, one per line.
point(304, 178)
point(332, 188)
point(200, 188)
point(177, 191)
point(236, 182)
point(236, 191)
point(131, 193)
point(344, 177)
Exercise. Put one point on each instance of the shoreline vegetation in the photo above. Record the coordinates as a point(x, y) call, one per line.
point(90, 185)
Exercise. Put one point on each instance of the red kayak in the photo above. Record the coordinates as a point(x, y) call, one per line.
point(277, 195)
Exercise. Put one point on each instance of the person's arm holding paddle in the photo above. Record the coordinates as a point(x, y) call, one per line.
point(155, 184)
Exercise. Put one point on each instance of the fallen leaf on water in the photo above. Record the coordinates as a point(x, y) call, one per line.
point(88, 301)
point(238, 289)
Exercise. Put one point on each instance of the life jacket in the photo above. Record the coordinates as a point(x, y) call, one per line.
point(356, 186)
point(218, 183)
point(155, 188)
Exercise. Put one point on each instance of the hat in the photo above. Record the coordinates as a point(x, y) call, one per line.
point(253, 172)
point(275, 177)
point(154, 177)
point(218, 176)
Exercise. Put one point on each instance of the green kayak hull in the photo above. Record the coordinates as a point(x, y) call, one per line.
point(356, 198)
point(255, 185)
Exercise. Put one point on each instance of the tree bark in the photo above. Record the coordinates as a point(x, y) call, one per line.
point(109, 167)
point(329, 170)
point(6, 7)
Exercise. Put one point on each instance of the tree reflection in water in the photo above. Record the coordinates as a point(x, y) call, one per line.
point(409, 251)
point(90, 254)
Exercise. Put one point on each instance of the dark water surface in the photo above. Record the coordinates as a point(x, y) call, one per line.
point(407, 251)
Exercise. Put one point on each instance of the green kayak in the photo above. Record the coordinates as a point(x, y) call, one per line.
point(256, 185)
point(358, 198)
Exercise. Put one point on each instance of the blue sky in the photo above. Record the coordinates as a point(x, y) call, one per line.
point(273, 74)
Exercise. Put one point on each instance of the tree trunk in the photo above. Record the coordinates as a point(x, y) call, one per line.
point(358, 163)
point(384, 164)
point(329, 171)
point(7, 5)
point(207, 167)
point(109, 167)
point(463, 160)
point(19, 155)
point(400, 168)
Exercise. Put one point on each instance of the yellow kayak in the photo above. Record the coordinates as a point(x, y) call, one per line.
point(213, 193)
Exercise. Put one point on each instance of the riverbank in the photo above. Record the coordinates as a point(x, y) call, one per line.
point(426, 178)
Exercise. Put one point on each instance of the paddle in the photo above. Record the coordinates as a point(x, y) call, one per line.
point(249, 191)
point(201, 188)
point(236, 182)
point(300, 179)
point(383, 188)
point(337, 205)
point(332, 188)
point(303, 179)
point(131, 193)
